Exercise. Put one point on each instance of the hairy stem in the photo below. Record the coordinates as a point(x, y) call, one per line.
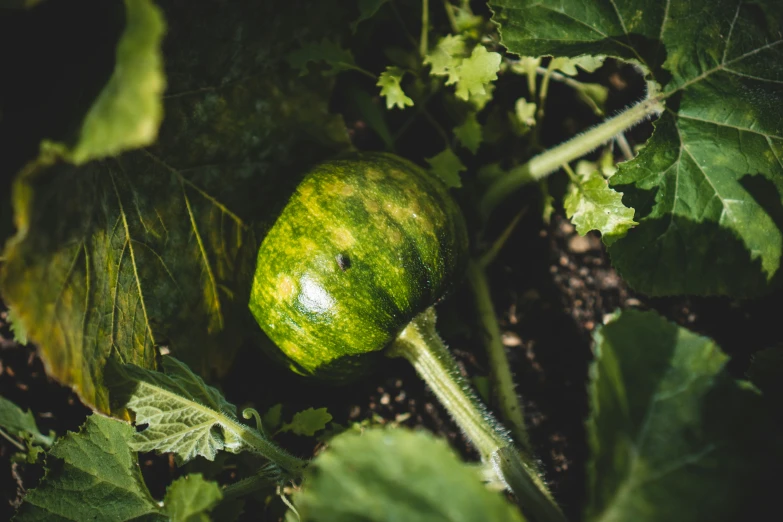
point(549, 161)
point(259, 444)
point(503, 381)
point(420, 344)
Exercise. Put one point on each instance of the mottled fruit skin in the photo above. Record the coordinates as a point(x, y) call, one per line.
point(363, 246)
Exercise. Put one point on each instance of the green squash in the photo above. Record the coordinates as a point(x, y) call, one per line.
point(363, 246)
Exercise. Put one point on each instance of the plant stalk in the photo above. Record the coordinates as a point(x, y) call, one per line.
point(503, 381)
point(548, 162)
point(420, 344)
point(260, 445)
point(425, 28)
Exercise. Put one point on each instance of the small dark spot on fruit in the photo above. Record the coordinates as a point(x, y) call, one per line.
point(343, 261)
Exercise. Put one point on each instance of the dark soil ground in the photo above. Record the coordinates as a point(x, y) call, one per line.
point(553, 288)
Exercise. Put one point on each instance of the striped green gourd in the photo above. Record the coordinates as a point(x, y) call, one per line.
point(363, 246)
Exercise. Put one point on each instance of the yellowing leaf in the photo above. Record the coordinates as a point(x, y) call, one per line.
point(389, 82)
point(592, 205)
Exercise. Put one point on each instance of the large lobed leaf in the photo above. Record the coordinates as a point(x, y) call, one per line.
point(708, 186)
point(94, 475)
point(672, 436)
point(385, 475)
point(157, 247)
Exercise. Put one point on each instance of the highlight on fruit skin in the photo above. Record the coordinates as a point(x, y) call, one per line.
point(363, 245)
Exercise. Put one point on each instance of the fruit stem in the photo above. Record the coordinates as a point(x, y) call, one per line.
point(420, 344)
point(550, 161)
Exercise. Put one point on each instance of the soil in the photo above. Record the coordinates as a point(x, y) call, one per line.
point(553, 288)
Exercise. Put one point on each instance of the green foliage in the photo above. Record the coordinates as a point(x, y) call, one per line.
point(128, 111)
point(189, 498)
point(308, 422)
point(184, 415)
point(16, 422)
point(328, 52)
point(160, 244)
point(447, 56)
point(469, 133)
point(389, 82)
point(367, 9)
point(710, 177)
point(592, 205)
point(446, 165)
point(386, 475)
point(672, 436)
point(92, 475)
point(475, 72)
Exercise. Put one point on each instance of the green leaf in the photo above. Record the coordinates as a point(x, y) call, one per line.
point(469, 133)
point(128, 111)
point(475, 73)
point(272, 418)
point(17, 327)
point(95, 477)
point(672, 436)
point(447, 56)
point(190, 498)
point(591, 205)
point(328, 52)
point(308, 422)
point(367, 9)
point(158, 246)
point(446, 165)
point(20, 423)
point(389, 475)
point(389, 82)
point(184, 415)
point(708, 186)
point(568, 66)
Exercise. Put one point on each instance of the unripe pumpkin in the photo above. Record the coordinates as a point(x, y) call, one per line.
point(363, 246)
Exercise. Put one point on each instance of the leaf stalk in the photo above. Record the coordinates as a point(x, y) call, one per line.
point(550, 161)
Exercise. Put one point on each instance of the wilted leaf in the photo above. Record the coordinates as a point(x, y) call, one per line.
point(92, 475)
point(390, 475)
point(157, 247)
point(708, 186)
point(672, 436)
point(591, 204)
